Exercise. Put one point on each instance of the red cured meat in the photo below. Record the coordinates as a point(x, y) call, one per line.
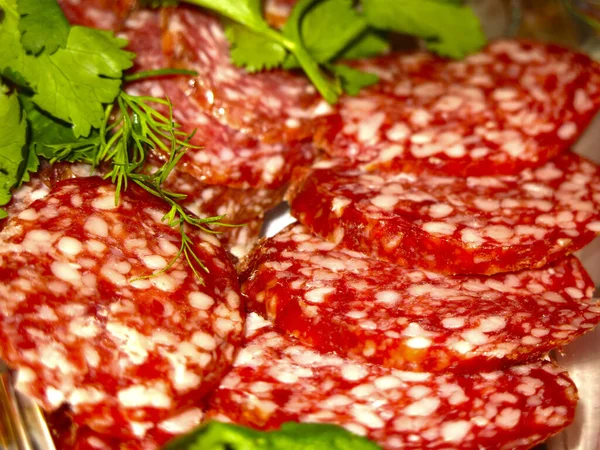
point(479, 225)
point(69, 436)
point(274, 106)
point(337, 300)
point(240, 241)
point(512, 106)
point(225, 156)
point(237, 205)
point(103, 14)
point(276, 379)
point(82, 328)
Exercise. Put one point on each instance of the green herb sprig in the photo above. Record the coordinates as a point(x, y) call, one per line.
point(320, 33)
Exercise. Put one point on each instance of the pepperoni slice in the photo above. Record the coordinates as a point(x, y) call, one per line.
point(82, 325)
point(223, 156)
point(273, 106)
point(479, 225)
point(333, 299)
point(275, 380)
point(512, 106)
point(103, 14)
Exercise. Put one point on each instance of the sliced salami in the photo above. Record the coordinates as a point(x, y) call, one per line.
point(513, 105)
point(69, 436)
point(83, 325)
point(103, 14)
point(223, 155)
point(333, 299)
point(275, 380)
point(273, 106)
point(239, 241)
point(478, 225)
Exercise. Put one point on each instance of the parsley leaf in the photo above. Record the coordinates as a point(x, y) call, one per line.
point(49, 33)
point(13, 135)
point(291, 436)
point(253, 51)
point(75, 82)
point(353, 80)
point(368, 44)
point(448, 28)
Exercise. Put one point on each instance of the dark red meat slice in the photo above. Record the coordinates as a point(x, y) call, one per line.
point(276, 379)
point(103, 14)
point(512, 106)
point(237, 205)
point(480, 225)
point(82, 328)
point(337, 300)
point(70, 436)
point(224, 155)
point(273, 106)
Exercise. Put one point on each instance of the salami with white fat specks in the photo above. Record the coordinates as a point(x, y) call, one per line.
point(513, 105)
point(477, 225)
point(222, 155)
point(336, 300)
point(275, 379)
point(67, 435)
point(83, 326)
point(277, 11)
point(103, 14)
point(272, 106)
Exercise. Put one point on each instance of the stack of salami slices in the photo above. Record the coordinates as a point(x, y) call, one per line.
point(415, 302)
point(431, 271)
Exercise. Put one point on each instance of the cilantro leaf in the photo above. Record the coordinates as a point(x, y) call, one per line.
point(75, 82)
point(37, 34)
point(291, 436)
point(13, 135)
point(448, 28)
point(328, 26)
point(253, 51)
point(353, 80)
point(366, 45)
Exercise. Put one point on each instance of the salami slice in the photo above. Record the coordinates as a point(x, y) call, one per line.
point(337, 300)
point(478, 225)
point(274, 106)
point(83, 325)
point(237, 205)
point(69, 436)
point(512, 106)
point(223, 155)
point(275, 380)
point(241, 240)
point(103, 14)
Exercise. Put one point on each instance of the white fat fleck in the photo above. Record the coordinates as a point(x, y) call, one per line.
point(353, 372)
point(508, 418)
point(130, 341)
point(492, 323)
point(318, 295)
point(388, 382)
point(385, 201)
point(54, 397)
point(439, 228)
point(70, 246)
point(369, 127)
point(398, 132)
point(164, 282)
point(440, 210)
point(96, 225)
point(475, 337)
point(424, 407)
point(84, 327)
point(66, 271)
point(388, 297)
point(105, 203)
point(338, 205)
point(455, 431)
point(204, 341)
point(364, 415)
point(452, 323)
point(182, 423)
point(462, 347)
point(200, 300)
point(86, 396)
point(154, 262)
point(143, 396)
point(418, 342)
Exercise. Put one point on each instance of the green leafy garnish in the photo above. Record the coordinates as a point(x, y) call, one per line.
point(61, 99)
point(319, 33)
point(291, 436)
point(450, 28)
